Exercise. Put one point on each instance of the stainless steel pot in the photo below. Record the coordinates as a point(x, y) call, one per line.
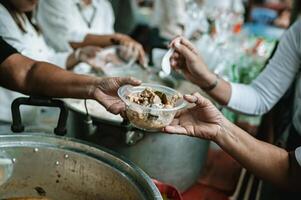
point(173, 159)
point(66, 169)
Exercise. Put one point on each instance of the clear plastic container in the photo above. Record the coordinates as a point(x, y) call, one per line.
point(147, 118)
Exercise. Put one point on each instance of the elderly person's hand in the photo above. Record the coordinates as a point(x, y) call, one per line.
point(203, 120)
point(187, 60)
point(106, 92)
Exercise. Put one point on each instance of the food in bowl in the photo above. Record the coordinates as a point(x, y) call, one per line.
point(151, 107)
point(153, 99)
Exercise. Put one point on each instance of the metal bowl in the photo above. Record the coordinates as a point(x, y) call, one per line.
point(163, 157)
point(64, 168)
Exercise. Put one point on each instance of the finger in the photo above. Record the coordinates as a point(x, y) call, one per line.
point(127, 51)
point(141, 56)
point(184, 50)
point(197, 98)
point(128, 80)
point(139, 50)
point(116, 108)
point(190, 98)
point(201, 99)
point(174, 64)
point(188, 44)
point(174, 40)
point(132, 50)
point(175, 55)
point(175, 129)
point(123, 115)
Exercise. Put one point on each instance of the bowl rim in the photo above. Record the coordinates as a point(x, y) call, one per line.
point(151, 85)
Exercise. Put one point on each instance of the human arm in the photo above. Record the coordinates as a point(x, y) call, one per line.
point(264, 92)
point(112, 39)
point(266, 161)
point(58, 17)
point(25, 75)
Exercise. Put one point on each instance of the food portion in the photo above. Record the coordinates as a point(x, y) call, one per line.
point(153, 99)
point(153, 112)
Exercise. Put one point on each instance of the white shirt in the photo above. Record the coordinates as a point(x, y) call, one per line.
point(30, 44)
point(298, 155)
point(64, 21)
point(231, 5)
point(266, 90)
point(169, 16)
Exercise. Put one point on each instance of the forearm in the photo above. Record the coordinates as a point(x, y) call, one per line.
point(264, 160)
point(59, 83)
point(221, 93)
point(24, 75)
point(94, 40)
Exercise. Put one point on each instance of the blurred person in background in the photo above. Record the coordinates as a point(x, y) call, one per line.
point(281, 8)
point(72, 24)
point(18, 28)
point(169, 16)
point(188, 18)
point(25, 75)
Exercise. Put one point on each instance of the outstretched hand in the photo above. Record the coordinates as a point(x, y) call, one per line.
point(203, 120)
point(106, 92)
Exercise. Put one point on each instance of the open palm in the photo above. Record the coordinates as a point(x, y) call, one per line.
point(203, 120)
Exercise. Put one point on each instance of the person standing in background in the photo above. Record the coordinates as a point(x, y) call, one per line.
point(25, 75)
point(169, 17)
point(19, 29)
point(73, 24)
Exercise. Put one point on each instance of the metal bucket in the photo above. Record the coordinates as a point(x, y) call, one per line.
point(173, 159)
point(63, 168)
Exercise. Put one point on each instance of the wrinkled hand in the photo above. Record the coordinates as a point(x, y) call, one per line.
point(203, 120)
point(106, 92)
point(133, 46)
point(189, 62)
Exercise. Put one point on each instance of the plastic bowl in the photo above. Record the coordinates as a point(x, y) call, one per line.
point(146, 118)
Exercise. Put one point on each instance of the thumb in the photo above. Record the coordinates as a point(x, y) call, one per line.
point(183, 50)
point(128, 80)
point(197, 99)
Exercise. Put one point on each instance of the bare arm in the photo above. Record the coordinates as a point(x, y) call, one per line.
point(113, 39)
point(98, 40)
point(263, 93)
point(24, 75)
point(264, 160)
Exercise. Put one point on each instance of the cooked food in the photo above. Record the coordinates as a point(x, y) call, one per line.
point(153, 99)
point(151, 116)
